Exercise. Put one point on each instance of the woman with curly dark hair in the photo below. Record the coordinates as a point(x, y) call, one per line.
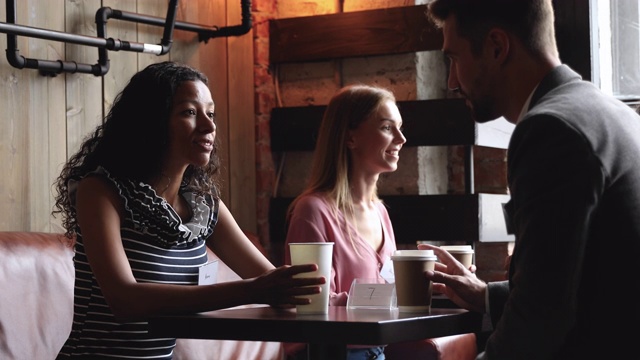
point(141, 199)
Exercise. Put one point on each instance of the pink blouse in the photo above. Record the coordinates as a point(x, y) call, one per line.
point(314, 220)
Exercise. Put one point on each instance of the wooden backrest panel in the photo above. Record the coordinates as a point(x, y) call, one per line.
point(352, 34)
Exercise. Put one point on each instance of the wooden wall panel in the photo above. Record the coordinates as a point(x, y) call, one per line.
point(46, 118)
point(13, 156)
point(122, 64)
point(46, 122)
point(31, 146)
point(149, 34)
point(242, 132)
point(386, 31)
point(13, 91)
point(83, 91)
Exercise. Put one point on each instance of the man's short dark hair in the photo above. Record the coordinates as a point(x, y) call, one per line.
point(531, 21)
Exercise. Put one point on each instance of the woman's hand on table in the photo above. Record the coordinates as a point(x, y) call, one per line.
point(279, 288)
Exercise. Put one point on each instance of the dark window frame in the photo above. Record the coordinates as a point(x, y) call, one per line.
point(577, 39)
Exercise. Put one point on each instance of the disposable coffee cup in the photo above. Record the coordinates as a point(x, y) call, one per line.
point(413, 290)
point(462, 253)
point(320, 253)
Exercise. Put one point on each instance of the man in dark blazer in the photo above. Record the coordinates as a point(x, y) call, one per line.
point(574, 177)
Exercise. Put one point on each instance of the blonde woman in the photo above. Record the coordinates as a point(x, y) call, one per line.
point(360, 138)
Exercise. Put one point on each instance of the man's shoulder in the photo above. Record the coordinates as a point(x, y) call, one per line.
point(580, 104)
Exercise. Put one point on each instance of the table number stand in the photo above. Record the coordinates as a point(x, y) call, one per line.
point(372, 294)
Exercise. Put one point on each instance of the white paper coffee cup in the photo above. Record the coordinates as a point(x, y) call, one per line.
point(320, 253)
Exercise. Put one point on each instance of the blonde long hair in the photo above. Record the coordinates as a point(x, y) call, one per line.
point(330, 170)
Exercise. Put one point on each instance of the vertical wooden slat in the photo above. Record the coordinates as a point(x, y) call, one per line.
point(186, 47)
point(149, 34)
point(123, 64)
point(242, 151)
point(46, 121)
point(32, 145)
point(14, 92)
point(83, 91)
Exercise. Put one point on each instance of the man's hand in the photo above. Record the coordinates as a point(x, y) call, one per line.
point(458, 283)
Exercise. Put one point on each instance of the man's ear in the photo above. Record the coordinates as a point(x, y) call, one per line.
point(498, 43)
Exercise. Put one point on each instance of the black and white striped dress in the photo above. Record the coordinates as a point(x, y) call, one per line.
point(160, 249)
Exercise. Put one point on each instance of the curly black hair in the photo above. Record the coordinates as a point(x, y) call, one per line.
point(132, 141)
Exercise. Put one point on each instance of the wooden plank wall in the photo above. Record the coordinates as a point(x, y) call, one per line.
point(385, 31)
point(44, 119)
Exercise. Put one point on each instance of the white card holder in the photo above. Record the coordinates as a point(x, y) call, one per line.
point(372, 294)
point(208, 273)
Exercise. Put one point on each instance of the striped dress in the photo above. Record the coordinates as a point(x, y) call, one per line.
point(160, 249)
